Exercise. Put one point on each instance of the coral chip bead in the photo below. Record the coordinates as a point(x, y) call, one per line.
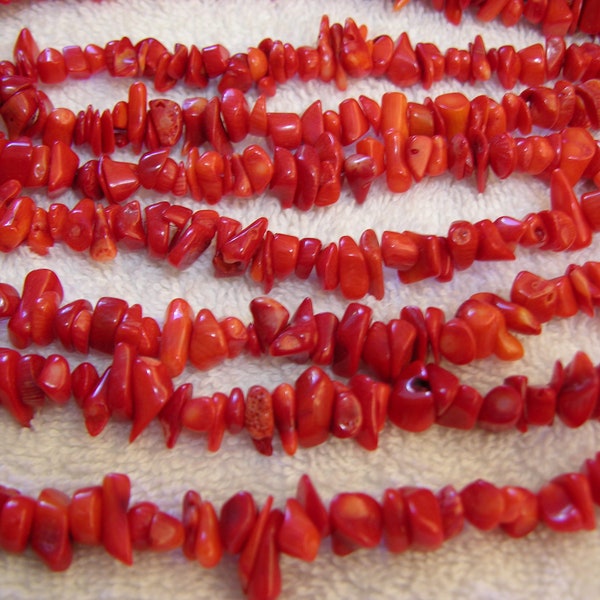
point(354, 274)
point(108, 314)
point(451, 511)
point(235, 334)
point(396, 534)
point(566, 503)
point(540, 405)
point(454, 108)
point(15, 223)
point(463, 239)
point(189, 520)
point(16, 519)
point(197, 414)
point(314, 407)
point(424, 519)
point(176, 334)
point(120, 382)
point(327, 324)
point(29, 367)
point(166, 117)
point(139, 518)
point(327, 267)
point(236, 521)
point(285, 177)
point(208, 344)
point(270, 319)
point(50, 530)
point(84, 379)
point(259, 419)
point(308, 168)
point(285, 254)
point(535, 294)
point(373, 397)
point(116, 537)
point(284, 413)
point(591, 470)
point(10, 397)
point(9, 300)
point(209, 548)
point(96, 411)
point(484, 321)
point(249, 552)
point(347, 413)
point(284, 130)
point(411, 403)
point(353, 120)
point(166, 533)
point(55, 379)
point(578, 395)
point(76, 63)
point(298, 536)
point(350, 338)
point(42, 292)
point(265, 579)
point(464, 410)
point(356, 522)
point(521, 511)
point(236, 114)
point(483, 504)
point(398, 250)
point(501, 409)
point(152, 388)
point(85, 516)
point(259, 167)
point(63, 167)
point(311, 502)
point(51, 66)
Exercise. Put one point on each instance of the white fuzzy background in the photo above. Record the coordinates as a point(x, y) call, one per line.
point(57, 451)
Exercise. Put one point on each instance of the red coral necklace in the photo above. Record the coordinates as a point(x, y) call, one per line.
point(138, 385)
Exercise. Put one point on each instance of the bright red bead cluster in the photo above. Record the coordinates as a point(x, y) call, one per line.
point(448, 133)
point(555, 17)
point(341, 51)
point(304, 166)
point(406, 518)
point(481, 327)
point(140, 388)
point(180, 236)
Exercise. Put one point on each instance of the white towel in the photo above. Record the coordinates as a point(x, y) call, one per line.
point(57, 451)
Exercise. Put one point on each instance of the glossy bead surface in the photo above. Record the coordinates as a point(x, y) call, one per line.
point(314, 407)
point(356, 522)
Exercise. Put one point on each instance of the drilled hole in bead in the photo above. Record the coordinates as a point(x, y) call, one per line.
point(419, 385)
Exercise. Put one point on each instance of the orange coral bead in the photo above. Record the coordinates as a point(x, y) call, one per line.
point(176, 335)
point(208, 345)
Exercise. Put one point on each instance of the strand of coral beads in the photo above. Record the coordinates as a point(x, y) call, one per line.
point(342, 51)
point(410, 517)
point(181, 236)
point(481, 327)
point(139, 389)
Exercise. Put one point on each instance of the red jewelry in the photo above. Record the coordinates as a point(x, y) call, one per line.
point(463, 144)
point(556, 17)
point(479, 329)
point(139, 389)
point(407, 517)
point(533, 300)
point(181, 236)
point(161, 123)
point(341, 52)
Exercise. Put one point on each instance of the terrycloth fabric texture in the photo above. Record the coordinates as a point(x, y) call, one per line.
point(57, 451)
